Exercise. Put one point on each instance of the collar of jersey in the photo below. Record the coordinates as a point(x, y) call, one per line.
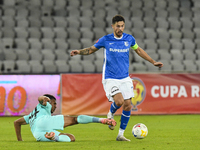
point(117, 37)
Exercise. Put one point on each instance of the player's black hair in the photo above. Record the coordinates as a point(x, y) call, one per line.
point(118, 18)
point(49, 96)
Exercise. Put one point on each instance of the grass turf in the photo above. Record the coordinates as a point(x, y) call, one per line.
point(166, 132)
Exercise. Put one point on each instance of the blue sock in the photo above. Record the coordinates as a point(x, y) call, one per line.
point(114, 108)
point(83, 119)
point(124, 119)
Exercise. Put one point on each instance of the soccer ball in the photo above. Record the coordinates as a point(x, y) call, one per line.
point(139, 131)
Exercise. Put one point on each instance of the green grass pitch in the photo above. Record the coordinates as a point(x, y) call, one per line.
point(166, 132)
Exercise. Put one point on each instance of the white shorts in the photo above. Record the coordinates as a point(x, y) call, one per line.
point(114, 86)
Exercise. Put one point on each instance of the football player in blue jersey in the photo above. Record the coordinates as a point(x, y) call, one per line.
point(115, 76)
point(44, 126)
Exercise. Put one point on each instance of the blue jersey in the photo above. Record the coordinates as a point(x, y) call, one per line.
point(116, 55)
point(38, 112)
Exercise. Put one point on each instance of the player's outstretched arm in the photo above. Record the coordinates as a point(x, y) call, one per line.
point(17, 124)
point(85, 51)
point(144, 55)
point(43, 100)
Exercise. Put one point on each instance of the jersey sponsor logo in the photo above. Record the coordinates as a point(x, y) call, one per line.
point(126, 43)
point(111, 43)
point(119, 50)
point(139, 90)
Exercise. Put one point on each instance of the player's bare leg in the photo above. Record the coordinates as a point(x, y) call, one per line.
point(84, 119)
point(69, 120)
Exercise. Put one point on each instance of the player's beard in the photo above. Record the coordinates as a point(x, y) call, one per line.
point(119, 33)
point(52, 110)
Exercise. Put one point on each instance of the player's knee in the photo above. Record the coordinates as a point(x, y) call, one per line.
point(127, 107)
point(119, 103)
point(119, 100)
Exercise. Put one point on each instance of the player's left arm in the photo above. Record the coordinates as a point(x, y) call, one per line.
point(145, 56)
point(17, 124)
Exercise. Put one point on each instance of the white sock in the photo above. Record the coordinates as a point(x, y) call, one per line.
point(121, 132)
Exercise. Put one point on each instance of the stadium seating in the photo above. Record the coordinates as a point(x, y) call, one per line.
point(10, 55)
point(75, 66)
point(138, 67)
point(62, 66)
point(177, 54)
point(36, 67)
point(38, 32)
point(23, 67)
point(177, 65)
point(49, 66)
point(22, 54)
point(48, 54)
point(190, 65)
point(9, 66)
point(35, 54)
point(61, 54)
point(88, 66)
point(151, 67)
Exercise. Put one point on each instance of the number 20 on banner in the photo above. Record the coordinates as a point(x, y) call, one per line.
point(10, 97)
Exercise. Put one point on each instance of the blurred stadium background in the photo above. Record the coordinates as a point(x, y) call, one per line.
point(36, 36)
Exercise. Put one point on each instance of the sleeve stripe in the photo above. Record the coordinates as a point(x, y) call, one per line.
point(134, 47)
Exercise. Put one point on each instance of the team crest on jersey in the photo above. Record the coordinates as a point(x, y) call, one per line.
point(139, 90)
point(126, 43)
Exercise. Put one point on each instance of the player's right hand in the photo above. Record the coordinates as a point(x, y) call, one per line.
point(46, 99)
point(50, 135)
point(158, 64)
point(74, 52)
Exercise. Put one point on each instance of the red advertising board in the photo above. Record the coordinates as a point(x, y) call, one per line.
point(154, 94)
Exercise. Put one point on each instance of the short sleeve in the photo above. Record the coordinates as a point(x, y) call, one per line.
point(134, 45)
point(26, 118)
point(100, 43)
point(47, 107)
